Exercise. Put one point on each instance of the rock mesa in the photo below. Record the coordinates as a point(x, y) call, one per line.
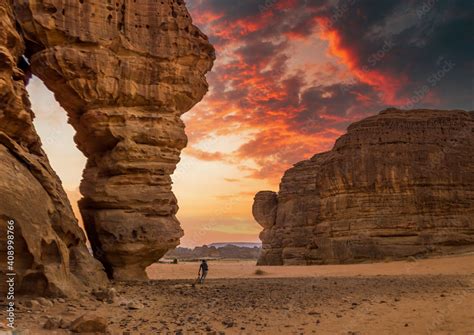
point(398, 184)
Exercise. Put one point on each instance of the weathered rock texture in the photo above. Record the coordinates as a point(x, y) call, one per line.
point(124, 71)
point(51, 257)
point(398, 184)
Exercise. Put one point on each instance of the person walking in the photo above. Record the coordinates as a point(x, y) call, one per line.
point(203, 268)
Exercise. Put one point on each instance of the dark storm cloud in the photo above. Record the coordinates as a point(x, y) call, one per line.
point(402, 53)
point(259, 53)
point(423, 37)
point(255, 20)
point(334, 99)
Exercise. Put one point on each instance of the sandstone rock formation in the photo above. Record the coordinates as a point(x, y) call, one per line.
point(50, 254)
point(398, 184)
point(124, 71)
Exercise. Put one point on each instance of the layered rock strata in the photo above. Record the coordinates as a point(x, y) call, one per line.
point(398, 184)
point(125, 71)
point(40, 240)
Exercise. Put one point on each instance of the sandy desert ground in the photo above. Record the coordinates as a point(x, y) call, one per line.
point(429, 296)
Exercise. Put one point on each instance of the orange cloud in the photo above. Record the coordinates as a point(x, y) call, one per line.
point(388, 86)
point(204, 155)
point(293, 109)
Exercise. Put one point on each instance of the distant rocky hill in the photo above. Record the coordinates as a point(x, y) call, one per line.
point(227, 251)
point(398, 184)
point(238, 244)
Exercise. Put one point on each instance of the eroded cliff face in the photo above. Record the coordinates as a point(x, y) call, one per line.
point(125, 71)
point(50, 254)
point(398, 184)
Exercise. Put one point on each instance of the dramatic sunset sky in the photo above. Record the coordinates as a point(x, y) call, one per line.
point(290, 76)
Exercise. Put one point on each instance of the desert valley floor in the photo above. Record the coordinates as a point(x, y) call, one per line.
point(419, 296)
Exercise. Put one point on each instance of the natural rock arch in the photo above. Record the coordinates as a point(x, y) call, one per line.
point(125, 72)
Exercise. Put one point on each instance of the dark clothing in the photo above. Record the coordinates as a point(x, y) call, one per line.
point(204, 267)
point(203, 272)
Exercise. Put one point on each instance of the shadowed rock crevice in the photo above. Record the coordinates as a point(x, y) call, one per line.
point(398, 184)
